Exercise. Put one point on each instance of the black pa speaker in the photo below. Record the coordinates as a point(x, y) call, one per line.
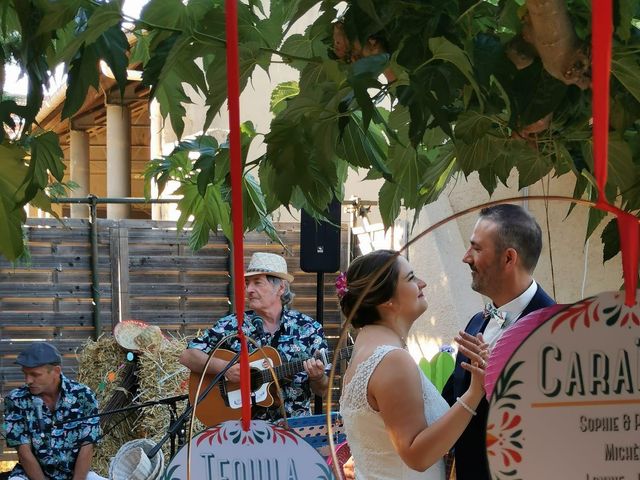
point(320, 241)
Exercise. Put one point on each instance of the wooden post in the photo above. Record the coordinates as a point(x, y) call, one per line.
point(123, 260)
point(119, 260)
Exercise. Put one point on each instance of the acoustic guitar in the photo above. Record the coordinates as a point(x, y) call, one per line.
point(224, 401)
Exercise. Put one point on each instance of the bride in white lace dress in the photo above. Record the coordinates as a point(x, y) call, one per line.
point(398, 426)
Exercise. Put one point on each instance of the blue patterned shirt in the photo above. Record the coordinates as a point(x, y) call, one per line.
point(57, 447)
point(300, 337)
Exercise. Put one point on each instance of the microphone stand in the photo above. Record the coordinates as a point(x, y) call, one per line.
point(177, 424)
point(171, 401)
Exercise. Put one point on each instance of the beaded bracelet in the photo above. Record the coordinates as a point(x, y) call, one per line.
point(466, 407)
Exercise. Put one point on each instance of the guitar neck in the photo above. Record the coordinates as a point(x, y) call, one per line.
point(287, 370)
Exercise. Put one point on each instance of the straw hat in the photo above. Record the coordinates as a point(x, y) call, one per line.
point(125, 333)
point(268, 264)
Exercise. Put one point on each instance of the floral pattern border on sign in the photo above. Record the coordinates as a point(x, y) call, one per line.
point(221, 433)
point(505, 438)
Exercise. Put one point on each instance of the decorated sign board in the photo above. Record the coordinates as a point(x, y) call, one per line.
point(565, 402)
point(264, 452)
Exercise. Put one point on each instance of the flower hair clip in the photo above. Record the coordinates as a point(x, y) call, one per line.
point(341, 285)
point(447, 348)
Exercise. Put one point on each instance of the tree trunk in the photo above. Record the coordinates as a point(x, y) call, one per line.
point(550, 30)
point(1, 80)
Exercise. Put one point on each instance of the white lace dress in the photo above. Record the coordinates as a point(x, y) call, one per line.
point(374, 455)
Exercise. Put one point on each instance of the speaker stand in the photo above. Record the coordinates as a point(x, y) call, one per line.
point(320, 318)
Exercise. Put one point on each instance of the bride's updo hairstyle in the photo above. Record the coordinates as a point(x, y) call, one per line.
point(359, 275)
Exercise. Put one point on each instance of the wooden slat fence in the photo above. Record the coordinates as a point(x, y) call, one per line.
point(146, 271)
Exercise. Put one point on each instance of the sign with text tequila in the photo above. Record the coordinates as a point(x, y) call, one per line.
point(567, 401)
point(264, 452)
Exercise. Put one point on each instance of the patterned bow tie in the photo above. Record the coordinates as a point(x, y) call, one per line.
point(492, 312)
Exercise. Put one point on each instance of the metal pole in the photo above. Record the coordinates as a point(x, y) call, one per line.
point(95, 278)
point(230, 290)
point(320, 318)
point(92, 198)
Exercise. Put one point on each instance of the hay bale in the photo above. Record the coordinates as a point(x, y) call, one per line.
point(102, 365)
point(161, 376)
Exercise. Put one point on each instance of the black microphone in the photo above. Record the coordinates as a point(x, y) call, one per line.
point(37, 406)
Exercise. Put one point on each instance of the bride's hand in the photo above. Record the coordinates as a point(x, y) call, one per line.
point(477, 351)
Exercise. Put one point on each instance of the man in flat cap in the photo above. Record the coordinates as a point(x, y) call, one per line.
point(39, 420)
point(270, 322)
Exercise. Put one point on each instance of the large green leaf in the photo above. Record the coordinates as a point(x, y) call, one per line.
point(171, 97)
point(46, 158)
point(562, 159)
point(157, 59)
point(140, 50)
point(255, 209)
point(180, 62)
point(276, 192)
point(210, 212)
point(596, 216)
point(443, 49)
point(14, 173)
point(10, 21)
point(250, 55)
point(405, 165)
point(622, 171)
point(611, 240)
point(364, 148)
point(625, 68)
point(281, 93)
point(626, 12)
point(319, 72)
point(83, 74)
point(389, 201)
point(478, 154)
point(104, 17)
point(175, 14)
point(362, 84)
point(290, 11)
point(57, 14)
point(112, 46)
point(471, 126)
point(440, 170)
point(578, 190)
point(530, 164)
point(168, 13)
point(297, 47)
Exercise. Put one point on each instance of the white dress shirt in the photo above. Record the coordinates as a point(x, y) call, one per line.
point(513, 310)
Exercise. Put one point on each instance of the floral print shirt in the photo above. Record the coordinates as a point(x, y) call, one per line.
point(57, 447)
point(299, 337)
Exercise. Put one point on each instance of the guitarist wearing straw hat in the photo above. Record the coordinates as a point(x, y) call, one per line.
point(270, 322)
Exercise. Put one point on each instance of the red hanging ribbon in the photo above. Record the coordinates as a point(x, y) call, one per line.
point(602, 31)
point(601, 40)
point(233, 93)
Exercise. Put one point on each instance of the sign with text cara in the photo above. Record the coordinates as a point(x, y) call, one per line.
point(567, 403)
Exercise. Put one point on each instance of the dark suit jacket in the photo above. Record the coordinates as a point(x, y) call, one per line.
point(470, 449)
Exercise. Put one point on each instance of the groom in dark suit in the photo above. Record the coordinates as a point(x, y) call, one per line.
point(505, 247)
